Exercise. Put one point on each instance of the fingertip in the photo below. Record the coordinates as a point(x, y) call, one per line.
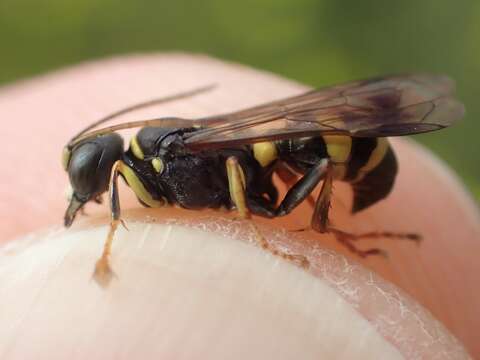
point(181, 276)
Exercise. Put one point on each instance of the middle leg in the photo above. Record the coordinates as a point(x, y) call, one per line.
point(237, 188)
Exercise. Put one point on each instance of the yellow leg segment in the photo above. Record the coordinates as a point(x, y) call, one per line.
point(237, 187)
point(103, 272)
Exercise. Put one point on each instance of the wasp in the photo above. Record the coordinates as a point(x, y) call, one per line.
point(337, 133)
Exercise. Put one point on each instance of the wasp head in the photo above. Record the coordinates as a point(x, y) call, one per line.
point(88, 165)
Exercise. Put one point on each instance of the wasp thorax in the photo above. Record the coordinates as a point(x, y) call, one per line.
point(158, 165)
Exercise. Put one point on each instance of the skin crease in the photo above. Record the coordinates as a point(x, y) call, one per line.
point(440, 273)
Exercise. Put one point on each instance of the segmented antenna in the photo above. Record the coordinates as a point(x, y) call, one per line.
point(138, 106)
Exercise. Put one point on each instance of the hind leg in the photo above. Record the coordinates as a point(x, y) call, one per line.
point(321, 224)
point(289, 178)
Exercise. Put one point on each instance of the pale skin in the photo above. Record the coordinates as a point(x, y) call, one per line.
point(193, 284)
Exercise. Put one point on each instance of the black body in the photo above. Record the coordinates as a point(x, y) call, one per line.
point(193, 180)
point(198, 179)
point(303, 154)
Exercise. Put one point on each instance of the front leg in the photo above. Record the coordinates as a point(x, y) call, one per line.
point(103, 272)
point(238, 194)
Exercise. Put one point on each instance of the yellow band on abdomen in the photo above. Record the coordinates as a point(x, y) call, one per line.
point(338, 147)
point(374, 160)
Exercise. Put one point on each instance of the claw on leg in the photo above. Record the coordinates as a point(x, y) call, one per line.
point(417, 238)
point(103, 273)
point(347, 240)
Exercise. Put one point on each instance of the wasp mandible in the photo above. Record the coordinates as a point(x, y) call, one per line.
point(228, 160)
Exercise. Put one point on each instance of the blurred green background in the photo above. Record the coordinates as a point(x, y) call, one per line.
point(317, 42)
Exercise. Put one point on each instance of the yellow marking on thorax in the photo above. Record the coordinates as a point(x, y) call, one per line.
point(374, 160)
point(136, 149)
point(339, 148)
point(265, 153)
point(158, 165)
point(137, 186)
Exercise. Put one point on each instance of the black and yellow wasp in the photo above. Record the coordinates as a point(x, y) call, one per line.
point(334, 133)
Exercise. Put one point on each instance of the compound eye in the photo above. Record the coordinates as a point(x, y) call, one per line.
point(158, 165)
point(66, 155)
point(90, 164)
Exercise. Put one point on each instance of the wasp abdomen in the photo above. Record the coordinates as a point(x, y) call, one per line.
point(368, 164)
point(376, 183)
point(371, 171)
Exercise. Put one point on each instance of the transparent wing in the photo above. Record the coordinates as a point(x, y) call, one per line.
point(389, 106)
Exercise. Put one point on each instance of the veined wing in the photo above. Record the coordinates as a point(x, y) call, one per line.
point(389, 106)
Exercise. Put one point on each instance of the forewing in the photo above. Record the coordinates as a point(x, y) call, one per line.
point(391, 106)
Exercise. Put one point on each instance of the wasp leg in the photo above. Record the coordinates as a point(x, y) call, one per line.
point(390, 235)
point(289, 178)
point(347, 238)
point(103, 273)
point(320, 223)
point(237, 188)
point(303, 187)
